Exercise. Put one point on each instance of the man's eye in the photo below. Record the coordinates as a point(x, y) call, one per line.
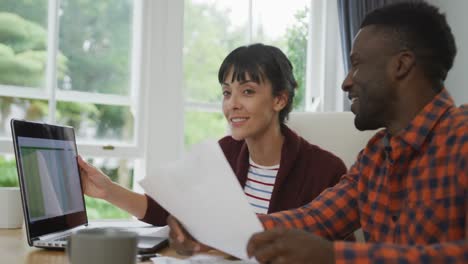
point(226, 93)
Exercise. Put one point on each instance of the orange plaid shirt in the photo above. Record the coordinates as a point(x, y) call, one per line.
point(407, 192)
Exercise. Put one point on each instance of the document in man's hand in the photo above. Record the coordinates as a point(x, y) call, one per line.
point(203, 193)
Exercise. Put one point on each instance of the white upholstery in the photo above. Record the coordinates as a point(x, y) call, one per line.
point(334, 132)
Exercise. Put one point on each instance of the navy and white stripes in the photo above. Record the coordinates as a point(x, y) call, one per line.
point(259, 186)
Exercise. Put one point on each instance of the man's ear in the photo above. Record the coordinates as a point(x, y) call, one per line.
point(403, 63)
point(280, 101)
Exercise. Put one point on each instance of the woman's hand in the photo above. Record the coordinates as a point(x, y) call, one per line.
point(95, 183)
point(182, 241)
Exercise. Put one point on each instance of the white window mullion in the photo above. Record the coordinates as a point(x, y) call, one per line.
point(22, 92)
point(333, 97)
point(136, 93)
point(92, 98)
point(123, 151)
point(52, 51)
point(315, 45)
point(162, 75)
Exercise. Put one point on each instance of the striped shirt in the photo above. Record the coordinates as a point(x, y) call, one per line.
point(259, 186)
point(408, 193)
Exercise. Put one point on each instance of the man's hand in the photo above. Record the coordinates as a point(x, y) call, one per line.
point(181, 240)
point(95, 183)
point(290, 246)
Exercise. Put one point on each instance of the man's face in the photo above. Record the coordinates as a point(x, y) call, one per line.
point(368, 84)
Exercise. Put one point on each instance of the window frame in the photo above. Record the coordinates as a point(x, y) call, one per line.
point(52, 93)
point(156, 63)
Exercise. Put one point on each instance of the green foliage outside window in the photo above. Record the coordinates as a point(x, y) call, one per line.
point(96, 36)
point(100, 209)
point(8, 175)
point(201, 126)
point(23, 52)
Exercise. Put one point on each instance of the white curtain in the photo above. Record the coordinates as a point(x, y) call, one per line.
point(325, 70)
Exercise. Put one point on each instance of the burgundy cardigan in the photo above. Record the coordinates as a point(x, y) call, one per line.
point(305, 171)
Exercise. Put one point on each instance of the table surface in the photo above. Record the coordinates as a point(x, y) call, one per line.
point(14, 248)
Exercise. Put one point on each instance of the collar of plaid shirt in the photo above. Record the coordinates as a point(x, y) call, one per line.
point(420, 127)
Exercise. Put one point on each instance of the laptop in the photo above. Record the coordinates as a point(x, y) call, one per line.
point(50, 184)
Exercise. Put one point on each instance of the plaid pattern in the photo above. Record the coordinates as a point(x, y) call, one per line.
point(407, 192)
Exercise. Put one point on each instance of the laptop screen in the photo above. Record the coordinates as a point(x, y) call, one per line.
point(49, 177)
point(52, 183)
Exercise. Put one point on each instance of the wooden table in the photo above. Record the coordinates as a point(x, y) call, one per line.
point(14, 248)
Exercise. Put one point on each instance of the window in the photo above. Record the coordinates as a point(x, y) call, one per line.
point(138, 78)
point(72, 65)
point(212, 29)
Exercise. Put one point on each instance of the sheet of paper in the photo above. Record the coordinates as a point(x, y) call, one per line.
point(202, 191)
point(199, 259)
point(156, 231)
point(118, 223)
point(141, 228)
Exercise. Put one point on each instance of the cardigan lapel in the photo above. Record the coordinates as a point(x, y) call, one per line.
point(289, 155)
point(242, 164)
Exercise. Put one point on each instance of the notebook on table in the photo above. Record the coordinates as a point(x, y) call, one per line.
point(50, 184)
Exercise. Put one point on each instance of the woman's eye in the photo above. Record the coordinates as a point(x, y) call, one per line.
point(226, 93)
point(249, 91)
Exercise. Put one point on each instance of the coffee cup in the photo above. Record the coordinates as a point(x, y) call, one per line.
point(11, 210)
point(103, 246)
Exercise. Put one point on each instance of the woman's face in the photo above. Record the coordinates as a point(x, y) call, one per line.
point(250, 108)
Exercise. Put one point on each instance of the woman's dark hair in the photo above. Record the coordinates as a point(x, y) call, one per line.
point(262, 62)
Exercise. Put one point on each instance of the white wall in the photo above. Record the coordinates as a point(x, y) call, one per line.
point(457, 80)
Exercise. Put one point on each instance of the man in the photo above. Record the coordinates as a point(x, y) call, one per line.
point(408, 189)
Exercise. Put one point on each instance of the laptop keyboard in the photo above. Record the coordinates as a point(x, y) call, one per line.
point(59, 242)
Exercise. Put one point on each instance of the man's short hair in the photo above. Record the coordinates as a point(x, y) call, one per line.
point(422, 29)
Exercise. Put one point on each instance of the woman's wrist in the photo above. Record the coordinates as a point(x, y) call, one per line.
point(126, 199)
point(112, 192)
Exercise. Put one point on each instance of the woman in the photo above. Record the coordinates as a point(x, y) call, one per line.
point(277, 169)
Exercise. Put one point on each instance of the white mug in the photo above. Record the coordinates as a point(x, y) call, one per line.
point(11, 211)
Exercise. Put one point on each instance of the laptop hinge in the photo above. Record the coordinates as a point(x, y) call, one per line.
point(59, 234)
